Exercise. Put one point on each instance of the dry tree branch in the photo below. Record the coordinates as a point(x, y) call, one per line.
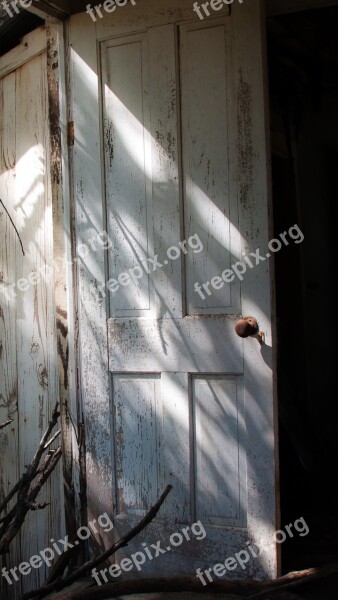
point(16, 231)
point(32, 468)
point(56, 435)
point(248, 590)
point(26, 497)
point(29, 486)
point(3, 425)
point(34, 506)
point(44, 440)
point(61, 584)
point(296, 579)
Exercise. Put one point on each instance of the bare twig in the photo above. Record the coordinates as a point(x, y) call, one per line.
point(44, 440)
point(63, 561)
point(59, 585)
point(296, 579)
point(56, 435)
point(11, 220)
point(34, 506)
point(10, 496)
point(53, 460)
point(26, 498)
point(3, 425)
point(32, 468)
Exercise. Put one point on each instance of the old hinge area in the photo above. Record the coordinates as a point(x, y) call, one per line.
point(71, 133)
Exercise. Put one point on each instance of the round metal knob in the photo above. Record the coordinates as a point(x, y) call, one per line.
point(247, 327)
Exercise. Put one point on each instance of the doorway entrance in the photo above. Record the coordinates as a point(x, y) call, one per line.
point(303, 80)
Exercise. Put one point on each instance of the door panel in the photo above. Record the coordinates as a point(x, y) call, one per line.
point(207, 169)
point(220, 469)
point(128, 143)
point(182, 134)
point(136, 405)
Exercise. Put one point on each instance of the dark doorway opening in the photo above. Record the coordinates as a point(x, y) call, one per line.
point(303, 82)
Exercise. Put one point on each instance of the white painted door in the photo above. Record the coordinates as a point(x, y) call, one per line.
point(170, 142)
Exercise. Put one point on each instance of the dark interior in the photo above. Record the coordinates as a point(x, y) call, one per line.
point(303, 89)
point(12, 29)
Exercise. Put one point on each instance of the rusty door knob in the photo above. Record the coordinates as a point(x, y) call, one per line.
point(246, 327)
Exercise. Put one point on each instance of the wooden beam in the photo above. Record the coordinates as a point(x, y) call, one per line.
point(31, 45)
point(56, 10)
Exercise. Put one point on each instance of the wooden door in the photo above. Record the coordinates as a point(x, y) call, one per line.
point(170, 161)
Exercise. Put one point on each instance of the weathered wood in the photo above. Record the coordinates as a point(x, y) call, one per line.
point(55, 9)
point(28, 336)
point(37, 371)
point(9, 246)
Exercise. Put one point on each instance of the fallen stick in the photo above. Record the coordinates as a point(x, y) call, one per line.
point(296, 579)
point(61, 584)
point(249, 590)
